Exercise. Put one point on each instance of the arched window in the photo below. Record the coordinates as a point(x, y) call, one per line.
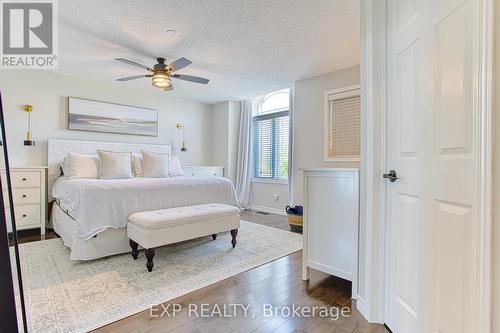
point(274, 102)
point(270, 136)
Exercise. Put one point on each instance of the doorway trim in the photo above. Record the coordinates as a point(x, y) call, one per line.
point(373, 219)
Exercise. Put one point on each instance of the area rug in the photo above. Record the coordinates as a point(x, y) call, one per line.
point(68, 296)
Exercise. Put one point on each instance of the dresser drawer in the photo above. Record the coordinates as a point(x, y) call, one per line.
point(203, 171)
point(25, 215)
point(22, 179)
point(23, 196)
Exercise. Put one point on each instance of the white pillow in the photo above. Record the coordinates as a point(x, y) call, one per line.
point(65, 166)
point(137, 164)
point(175, 167)
point(83, 166)
point(115, 165)
point(155, 165)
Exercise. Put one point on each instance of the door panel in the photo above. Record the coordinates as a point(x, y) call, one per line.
point(431, 208)
point(406, 11)
point(454, 82)
point(453, 265)
point(406, 95)
point(406, 259)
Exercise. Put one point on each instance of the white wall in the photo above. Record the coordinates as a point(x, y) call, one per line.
point(308, 123)
point(220, 135)
point(496, 175)
point(234, 114)
point(48, 93)
point(226, 121)
point(263, 196)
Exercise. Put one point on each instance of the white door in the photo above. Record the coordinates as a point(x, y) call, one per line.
point(431, 141)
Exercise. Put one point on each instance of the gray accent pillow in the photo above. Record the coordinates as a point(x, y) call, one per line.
point(155, 165)
point(115, 165)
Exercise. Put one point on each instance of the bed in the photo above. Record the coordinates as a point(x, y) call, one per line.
point(91, 215)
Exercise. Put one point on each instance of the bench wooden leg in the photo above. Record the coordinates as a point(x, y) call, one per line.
point(234, 233)
point(134, 247)
point(214, 236)
point(150, 253)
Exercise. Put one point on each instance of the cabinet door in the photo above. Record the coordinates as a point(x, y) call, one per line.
point(332, 223)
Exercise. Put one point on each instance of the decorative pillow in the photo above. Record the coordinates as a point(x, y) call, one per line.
point(115, 165)
point(175, 167)
point(66, 167)
point(155, 165)
point(82, 166)
point(137, 164)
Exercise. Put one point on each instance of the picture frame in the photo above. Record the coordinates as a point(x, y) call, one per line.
point(105, 117)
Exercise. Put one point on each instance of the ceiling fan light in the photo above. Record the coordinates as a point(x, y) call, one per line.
point(161, 80)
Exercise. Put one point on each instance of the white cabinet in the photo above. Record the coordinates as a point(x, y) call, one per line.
point(331, 222)
point(202, 170)
point(29, 196)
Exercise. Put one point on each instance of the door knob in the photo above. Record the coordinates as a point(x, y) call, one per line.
point(392, 176)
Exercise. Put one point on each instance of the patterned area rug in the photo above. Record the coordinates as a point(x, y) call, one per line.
point(67, 296)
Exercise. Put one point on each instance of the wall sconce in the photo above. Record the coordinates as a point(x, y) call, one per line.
point(29, 138)
point(180, 126)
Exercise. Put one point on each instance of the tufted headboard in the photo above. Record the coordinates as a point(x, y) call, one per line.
point(59, 148)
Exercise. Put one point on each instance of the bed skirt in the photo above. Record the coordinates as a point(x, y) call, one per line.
point(106, 243)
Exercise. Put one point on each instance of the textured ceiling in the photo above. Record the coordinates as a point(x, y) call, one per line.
point(245, 47)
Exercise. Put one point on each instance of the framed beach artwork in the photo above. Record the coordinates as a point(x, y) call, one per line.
point(95, 116)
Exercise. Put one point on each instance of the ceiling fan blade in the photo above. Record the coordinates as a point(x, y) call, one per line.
point(179, 64)
point(190, 78)
point(133, 63)
point(128, 78)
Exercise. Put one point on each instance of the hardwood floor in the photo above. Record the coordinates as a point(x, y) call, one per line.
point(277, 283)
point(270, 220)
point(32, 235)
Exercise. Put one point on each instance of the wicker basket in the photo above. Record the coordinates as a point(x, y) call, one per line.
point(295, 222)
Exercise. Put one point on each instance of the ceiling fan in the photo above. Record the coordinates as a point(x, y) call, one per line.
point(161, 73)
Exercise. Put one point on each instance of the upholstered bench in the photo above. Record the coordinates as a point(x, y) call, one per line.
point(156, 228)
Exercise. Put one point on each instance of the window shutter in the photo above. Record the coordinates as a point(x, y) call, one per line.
point(343, 126)
point(281, 147)
point(270, 148)
point(270, 136)
point(262, 148)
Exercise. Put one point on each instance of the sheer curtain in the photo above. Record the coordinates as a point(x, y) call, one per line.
point(291, 108)
point(244, 165)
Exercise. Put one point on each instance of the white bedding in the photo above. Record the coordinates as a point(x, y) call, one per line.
point(99, 204)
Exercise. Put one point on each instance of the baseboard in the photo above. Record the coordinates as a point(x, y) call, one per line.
point(269, 210)
point(362, 307)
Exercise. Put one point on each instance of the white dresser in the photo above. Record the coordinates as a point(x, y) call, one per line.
point(202, 170)
point(29, 196)
point(331, 222)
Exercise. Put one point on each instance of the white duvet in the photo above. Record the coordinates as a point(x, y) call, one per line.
point(98, 204)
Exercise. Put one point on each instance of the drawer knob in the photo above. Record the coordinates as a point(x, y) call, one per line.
point(24, 179)
point(24, 215)
point(24, 195)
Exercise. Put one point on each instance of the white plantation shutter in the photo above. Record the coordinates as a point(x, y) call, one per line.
point(270, 147)
point(343, 125)
point(270, 137)
point(263, 147)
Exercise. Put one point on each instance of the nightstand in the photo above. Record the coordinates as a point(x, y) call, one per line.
point(203, 170)
point(29, 193)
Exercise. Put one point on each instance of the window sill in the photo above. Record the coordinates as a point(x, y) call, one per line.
point(342, 159)
point(269, 181)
